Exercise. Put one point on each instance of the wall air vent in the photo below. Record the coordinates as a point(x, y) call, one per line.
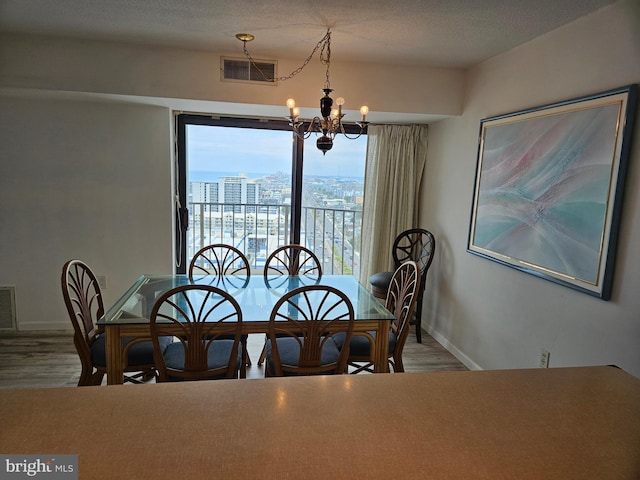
point(243, 70)
point(7, 308)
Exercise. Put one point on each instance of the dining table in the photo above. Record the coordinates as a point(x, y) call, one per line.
point(129, 316)
point(577, 423)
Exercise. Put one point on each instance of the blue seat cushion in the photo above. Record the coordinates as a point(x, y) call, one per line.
point(381, 280)
point(140, 353)
point(289, 351)
point(218, 355)
point(360, 346)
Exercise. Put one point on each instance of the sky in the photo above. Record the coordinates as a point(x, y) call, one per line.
point(244, 150)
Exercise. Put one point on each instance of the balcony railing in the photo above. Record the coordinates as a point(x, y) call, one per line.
point(258, 229)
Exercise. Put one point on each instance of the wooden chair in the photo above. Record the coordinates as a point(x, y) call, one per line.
point(415, 244)
point(219, 260)
point(223, 263)
point(401, 299)
point(83, 299)
point(291, 260)
point(206, 322)
point(301, 329)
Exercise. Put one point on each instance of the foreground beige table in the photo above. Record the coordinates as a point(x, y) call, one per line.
point(574, 423)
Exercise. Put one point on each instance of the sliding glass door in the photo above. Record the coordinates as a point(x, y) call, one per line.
point(332, 200)
point(242, 182)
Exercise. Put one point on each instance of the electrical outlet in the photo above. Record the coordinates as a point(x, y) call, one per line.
point(544, 358)
point(102, 281)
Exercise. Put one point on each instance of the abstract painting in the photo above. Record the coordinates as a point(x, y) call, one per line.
point(548, 189)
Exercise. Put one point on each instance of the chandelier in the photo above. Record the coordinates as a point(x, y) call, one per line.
point(329, 123)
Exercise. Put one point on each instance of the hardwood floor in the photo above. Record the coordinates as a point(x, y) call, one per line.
point(49, 359)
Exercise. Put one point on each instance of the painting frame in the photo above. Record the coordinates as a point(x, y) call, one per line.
point(548, 190)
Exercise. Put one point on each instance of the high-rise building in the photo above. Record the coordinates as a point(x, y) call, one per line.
point(229, 190)
point(203, 192)
point(238, 190)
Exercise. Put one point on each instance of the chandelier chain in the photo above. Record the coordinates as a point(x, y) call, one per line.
point(325, 58)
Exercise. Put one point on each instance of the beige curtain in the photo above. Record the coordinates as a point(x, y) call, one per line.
point(396, 157)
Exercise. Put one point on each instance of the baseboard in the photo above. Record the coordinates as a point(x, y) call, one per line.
point(28, 326)
point(455, 351)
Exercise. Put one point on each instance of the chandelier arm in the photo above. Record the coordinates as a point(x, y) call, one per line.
point(302, 134)
point(353, 138)
point(324, 42)
point(308, 132)
point(358, 135)
point(296, 132)
point(305, 133)
point(315, 125)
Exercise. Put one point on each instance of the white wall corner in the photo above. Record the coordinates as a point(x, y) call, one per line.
point(455, 351)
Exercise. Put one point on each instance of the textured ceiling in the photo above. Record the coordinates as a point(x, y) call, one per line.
point(453, 33)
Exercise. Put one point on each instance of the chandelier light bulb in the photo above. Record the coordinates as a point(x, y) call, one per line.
point(295, 111)
point(364, 110)
point(291, 103)
point(335, 113)
point(339, 102)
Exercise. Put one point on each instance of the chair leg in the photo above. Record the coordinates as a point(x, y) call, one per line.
point(86, 377)
point(263, 355)
point(96, 378)
point(418, 321)
point(245, 358)
point(398, 366)
point(267, 370)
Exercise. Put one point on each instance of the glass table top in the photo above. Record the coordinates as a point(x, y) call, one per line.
point(256, 295)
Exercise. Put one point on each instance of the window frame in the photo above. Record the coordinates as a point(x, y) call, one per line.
point(182, 120)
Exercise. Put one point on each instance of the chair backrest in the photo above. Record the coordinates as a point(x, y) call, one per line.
point(198, 316)
point(293, 260)
point(401, 299)
point(415, 244)
point(83, 299)
point(307, 318)
point(218, 260)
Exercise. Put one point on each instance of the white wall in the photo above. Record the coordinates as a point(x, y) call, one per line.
point(495, 317)
point(85, 180)
point(50, 63)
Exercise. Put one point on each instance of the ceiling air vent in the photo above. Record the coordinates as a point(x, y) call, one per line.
point(243, 70)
